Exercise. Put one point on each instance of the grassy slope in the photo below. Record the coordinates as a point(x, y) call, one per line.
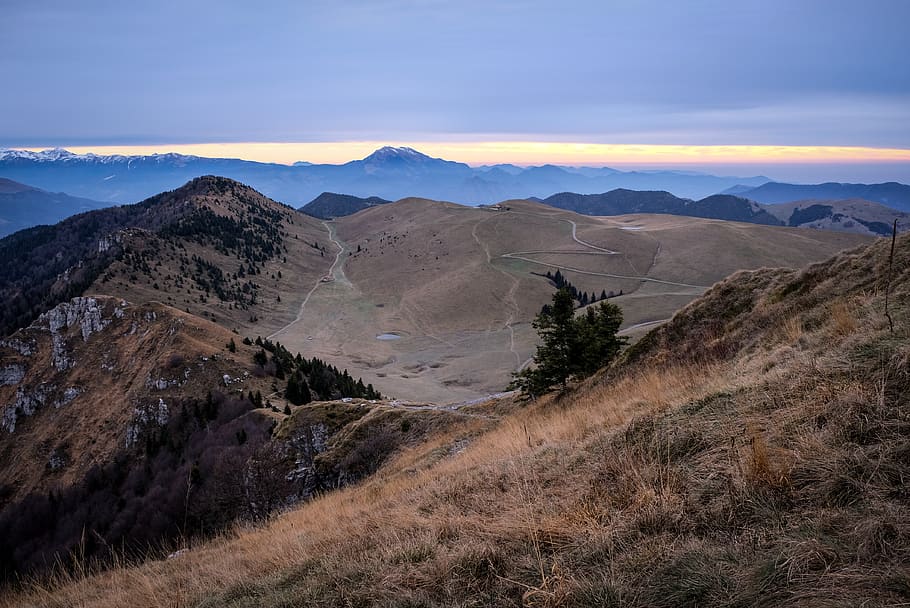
point(283, 281)
point(112, 371)
point(753, 452)
point(461, 285)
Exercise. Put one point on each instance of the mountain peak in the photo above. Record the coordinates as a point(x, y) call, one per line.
point(387, 153)
point(51, 154)
point(63, 155)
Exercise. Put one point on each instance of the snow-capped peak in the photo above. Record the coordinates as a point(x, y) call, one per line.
point(62, 155)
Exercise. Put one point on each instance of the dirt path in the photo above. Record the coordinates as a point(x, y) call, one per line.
point(587, 244)
point(510, 296)
point(592, 249)
point(336, 272)
point(640, 325)
point(601, 274)
point(597, 250)
point(332, 275)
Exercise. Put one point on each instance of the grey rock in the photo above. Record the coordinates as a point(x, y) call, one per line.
point(11, 374)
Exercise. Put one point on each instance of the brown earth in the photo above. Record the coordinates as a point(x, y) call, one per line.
point(460, 286)
point(751, 452)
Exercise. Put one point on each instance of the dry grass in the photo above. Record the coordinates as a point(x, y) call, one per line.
point(792, 330)
point(380, 515)
point(434, 273)
point(690, 484)
point(843, 318)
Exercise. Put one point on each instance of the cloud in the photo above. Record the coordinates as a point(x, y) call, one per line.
point(774, 71)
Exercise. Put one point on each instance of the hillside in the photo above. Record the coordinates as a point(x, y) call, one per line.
point(213, 247)
point(857, 216)
point(22, 206)
point(329, 205)
point(145, 426)
point(891, 194)
point(849, 215)
point(433, 301)
point(753, 451)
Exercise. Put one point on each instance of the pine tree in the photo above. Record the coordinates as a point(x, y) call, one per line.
point(571, 347)
point(554, 358)
point(598, 340)
point(297, 391)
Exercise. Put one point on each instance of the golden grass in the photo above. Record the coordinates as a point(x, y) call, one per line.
point(383, 507)
point(843, 318)
point(435, 272)
point(792, 329)
point(689, 484)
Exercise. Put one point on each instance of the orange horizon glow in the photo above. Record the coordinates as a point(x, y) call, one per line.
point(523, 152)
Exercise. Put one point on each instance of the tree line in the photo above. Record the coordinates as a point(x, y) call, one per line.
point(559, 280)
point(308, 379)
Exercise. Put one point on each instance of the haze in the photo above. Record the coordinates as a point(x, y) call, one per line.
point(333, 75)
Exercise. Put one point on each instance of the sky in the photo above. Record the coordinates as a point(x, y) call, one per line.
point(703, 83)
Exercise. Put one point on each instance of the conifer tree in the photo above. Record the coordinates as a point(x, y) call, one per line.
point(571, 347)
point(553, 361)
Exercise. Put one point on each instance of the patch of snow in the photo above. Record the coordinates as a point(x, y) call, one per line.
point(61, 155)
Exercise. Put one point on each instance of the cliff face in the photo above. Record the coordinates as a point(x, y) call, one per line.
point(88, 375)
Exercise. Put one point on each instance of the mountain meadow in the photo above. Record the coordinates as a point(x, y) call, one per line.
point(750, 451)
point(219, 400)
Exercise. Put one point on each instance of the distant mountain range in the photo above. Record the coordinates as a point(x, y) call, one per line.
point(329, 204)
point(389, 173)
point(890, 194)
point(857, 216)
point(854, 215)
point(92, 181)
point(23, 206)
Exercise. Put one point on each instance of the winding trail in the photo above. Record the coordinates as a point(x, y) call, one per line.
point(331, 230)
point(518, 255)
point(510, 296)
point(585, 243)
point(600, 274)
point(335, 265)
point(639, 325)
point(592, 249)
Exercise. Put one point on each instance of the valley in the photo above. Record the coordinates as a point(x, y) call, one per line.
point(750, 451)
point(210, 328)
point(459, 286)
